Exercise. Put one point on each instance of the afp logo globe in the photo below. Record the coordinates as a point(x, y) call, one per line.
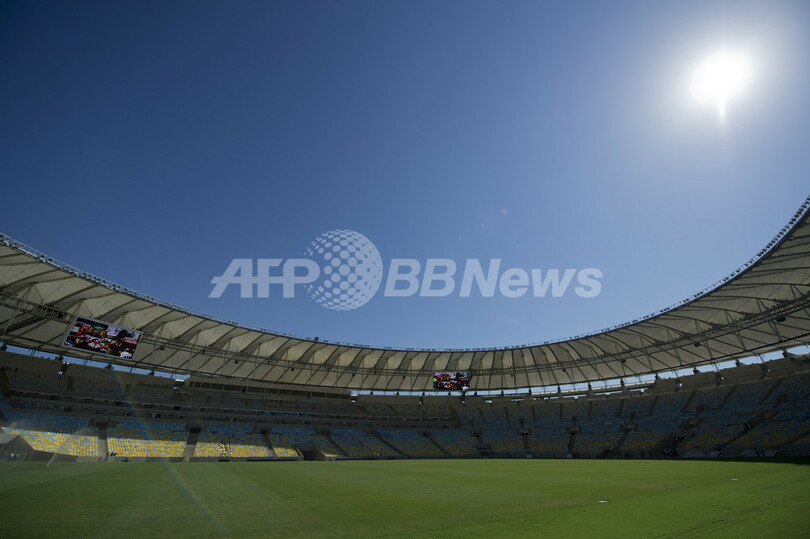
point(351, 269)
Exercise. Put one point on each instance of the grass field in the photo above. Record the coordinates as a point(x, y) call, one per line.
point(419, 498)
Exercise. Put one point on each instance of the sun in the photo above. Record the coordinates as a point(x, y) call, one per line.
point(721, 77)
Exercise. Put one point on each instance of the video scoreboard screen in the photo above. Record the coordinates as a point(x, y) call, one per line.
point(102, 338)
point(451, 381)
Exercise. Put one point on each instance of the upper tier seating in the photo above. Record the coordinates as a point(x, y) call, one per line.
point(749, 397)
point(604, 410)
point(521, 411)
point(469, 415)
point(670, 405)
point(548, 413)
point(579, 408)
point(33, 380)
point(792, 389)
point(494, 416)
point(100, 388)
point(637, 406)
point(151, 393)
point(710, 399)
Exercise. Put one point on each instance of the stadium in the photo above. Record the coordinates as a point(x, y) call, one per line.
point(673, 385)
point(404, 269)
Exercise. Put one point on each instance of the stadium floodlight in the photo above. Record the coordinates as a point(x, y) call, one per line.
point(765, 368)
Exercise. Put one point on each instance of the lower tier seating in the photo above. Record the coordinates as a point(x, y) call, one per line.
point(133, 438)
point(231, 441)
point(54, 433)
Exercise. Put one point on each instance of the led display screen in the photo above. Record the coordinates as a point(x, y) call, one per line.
point(451, 381)
point(102, 338)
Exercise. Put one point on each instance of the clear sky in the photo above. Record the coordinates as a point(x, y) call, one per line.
point(150, 143)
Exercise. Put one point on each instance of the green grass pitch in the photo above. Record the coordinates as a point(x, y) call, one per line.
point(417, 498)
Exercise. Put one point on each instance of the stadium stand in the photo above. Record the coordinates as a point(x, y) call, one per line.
point(494, 416)
point(151, 393)
point(781, 429)
point(716, 431)
point(455, 442)
point(505, 440)
point(749, 396)
point(669, 405)
point(579, 408)
point(231, 441)
point(746, 413)
point(554, 440)
point(410, 443)
point(604, 410)
point(5, 404)
point(286, 439)
point(470, 415)
point(132, 438)
point(283, 445)
point(522, 413)
point(681, 382)
point(796, 388)
point(548, 413)
point(636, 406)
point(53, 433)
point(593, 440)
point(357, 443)
point(708, 399)
point(99, 388)
point(647, 436)
point(33, 380)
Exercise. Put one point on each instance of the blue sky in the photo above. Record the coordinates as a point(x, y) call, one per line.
point(152, 142)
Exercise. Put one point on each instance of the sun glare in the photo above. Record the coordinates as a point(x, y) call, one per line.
point(721, 77)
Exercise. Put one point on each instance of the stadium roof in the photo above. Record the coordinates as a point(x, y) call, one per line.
point(760, 308)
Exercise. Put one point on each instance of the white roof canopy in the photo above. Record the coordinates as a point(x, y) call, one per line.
point(760, 308)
